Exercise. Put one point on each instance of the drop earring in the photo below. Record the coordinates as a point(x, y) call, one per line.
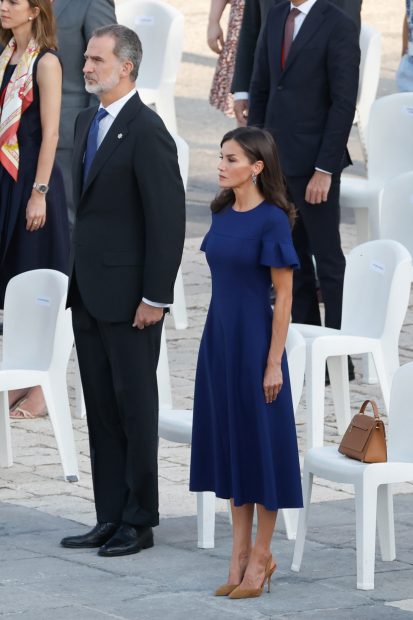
point(254, 178)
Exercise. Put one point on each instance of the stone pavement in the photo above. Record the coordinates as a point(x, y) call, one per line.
point(37, 507)
point(41, 581)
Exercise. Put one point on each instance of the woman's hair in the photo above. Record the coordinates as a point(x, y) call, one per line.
point(43, 26)
point(258, 145)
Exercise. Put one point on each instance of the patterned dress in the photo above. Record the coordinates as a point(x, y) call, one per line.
point(220, 96)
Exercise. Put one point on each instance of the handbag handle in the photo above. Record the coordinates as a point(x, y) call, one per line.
point(374, 406)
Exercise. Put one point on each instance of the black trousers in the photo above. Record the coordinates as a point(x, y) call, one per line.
point(118, 371)
point(316, 233)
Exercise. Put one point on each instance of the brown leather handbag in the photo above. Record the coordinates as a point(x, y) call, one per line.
point(365, 437)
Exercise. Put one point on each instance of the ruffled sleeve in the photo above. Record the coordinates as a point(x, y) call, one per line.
point(277, 249)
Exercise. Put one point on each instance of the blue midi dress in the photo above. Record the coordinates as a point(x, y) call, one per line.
point(243, 448)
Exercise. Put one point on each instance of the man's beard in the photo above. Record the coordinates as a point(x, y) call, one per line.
point(98, 88)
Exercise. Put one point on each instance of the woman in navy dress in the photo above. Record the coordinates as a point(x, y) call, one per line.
point(34, 232)
point(244, 443)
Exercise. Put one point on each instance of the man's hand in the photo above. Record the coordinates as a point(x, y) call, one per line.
point(147, 315)
point(318, 188)
point(241, 111)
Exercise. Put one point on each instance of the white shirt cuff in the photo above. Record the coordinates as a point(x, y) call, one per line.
point(155, 304)
point(240, 95)
point(325, 171)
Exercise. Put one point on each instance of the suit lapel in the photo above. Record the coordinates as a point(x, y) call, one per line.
point(308, 29)
point(113, 138)
point(59, 6)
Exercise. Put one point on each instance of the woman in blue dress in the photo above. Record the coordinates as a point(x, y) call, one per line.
point(244, 443)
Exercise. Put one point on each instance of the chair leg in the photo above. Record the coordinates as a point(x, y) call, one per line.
point(6, 455)
point(302, 521)
point(338, 373)
point(80, 407)
point(361, 217)
point(179, 306)
point(383, 377)
point(315, 391)
point(369, 370)
point(229, 512)
point(163, 376)
point(366, 512)
point(290, 516)
point(57, 401)
point(206, 519)
point(385, 522)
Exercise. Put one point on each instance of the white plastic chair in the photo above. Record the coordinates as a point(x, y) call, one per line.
point(389, 153)
point(375, 299)
point(372, 483)
point(370, 60)
point(178, 309)
point(37, 342)
point(176, 425)
point(160, 28)
point(396, 208)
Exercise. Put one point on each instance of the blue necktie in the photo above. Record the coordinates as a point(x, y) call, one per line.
point(92, 142)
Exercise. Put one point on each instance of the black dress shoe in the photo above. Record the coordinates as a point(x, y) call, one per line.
point(97, 537)
point(128, 539)
point(351, 373)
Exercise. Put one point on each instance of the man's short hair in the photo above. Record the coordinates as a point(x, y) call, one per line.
point(127, 45)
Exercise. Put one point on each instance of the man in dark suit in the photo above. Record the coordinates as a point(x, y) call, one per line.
point(304, 90)
point(76, 20)
point(255, 14)
point(126, 250)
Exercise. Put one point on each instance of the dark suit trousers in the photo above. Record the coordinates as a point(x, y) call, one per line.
point(118, 370)
point(316, 233)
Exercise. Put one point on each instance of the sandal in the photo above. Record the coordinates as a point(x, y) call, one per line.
point(18, 400)
point(18, 413)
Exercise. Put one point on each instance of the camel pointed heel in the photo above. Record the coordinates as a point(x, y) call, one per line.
point(238, 592)
point(225, 589)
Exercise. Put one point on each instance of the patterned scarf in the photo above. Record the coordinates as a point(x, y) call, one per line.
point(16, 99)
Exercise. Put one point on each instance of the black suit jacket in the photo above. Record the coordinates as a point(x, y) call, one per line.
point(255, 15)
point(309, 106)
point(130, 218)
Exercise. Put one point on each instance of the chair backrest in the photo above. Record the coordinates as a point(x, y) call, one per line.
point(183, 158)
point(37, 328)
point(390, 137)
point(296, 352)
point(400, 430)
point(160, 28)
point(396, 210)
point(376, 289)
point(370, 60)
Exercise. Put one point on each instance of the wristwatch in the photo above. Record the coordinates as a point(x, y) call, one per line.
point(42, 188)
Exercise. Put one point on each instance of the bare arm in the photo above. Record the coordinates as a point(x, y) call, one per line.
point(215, 35)
point(49, 80)
point(405, 36)
point(282, 279)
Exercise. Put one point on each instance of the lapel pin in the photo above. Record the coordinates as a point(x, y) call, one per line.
point(120, 135)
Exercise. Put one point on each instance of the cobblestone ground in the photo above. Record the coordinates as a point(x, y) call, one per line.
point(36, 479)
